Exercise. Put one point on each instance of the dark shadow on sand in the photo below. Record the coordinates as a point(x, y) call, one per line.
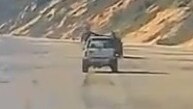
point(134, 57)
point(132, 72)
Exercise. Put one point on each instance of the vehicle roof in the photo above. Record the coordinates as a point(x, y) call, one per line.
point(100, 37)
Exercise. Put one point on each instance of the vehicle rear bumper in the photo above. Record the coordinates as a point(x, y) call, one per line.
point(99, 62)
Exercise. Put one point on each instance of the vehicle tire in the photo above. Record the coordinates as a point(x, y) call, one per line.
point(85, 66)
point(114, 66)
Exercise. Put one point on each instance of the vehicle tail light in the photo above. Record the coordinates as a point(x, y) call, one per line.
point(86, 53)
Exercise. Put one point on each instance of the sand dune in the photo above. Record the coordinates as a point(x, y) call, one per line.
point(136, 21)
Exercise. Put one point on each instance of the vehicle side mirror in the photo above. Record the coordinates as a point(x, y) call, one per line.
point(83, 48)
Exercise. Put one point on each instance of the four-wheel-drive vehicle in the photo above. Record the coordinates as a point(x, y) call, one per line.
point(116, 41)
point(100, 51)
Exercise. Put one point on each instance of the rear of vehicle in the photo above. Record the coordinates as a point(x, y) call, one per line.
point(99, 52)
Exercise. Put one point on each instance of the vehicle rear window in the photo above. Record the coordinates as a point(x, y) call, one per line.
point(100, 43)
